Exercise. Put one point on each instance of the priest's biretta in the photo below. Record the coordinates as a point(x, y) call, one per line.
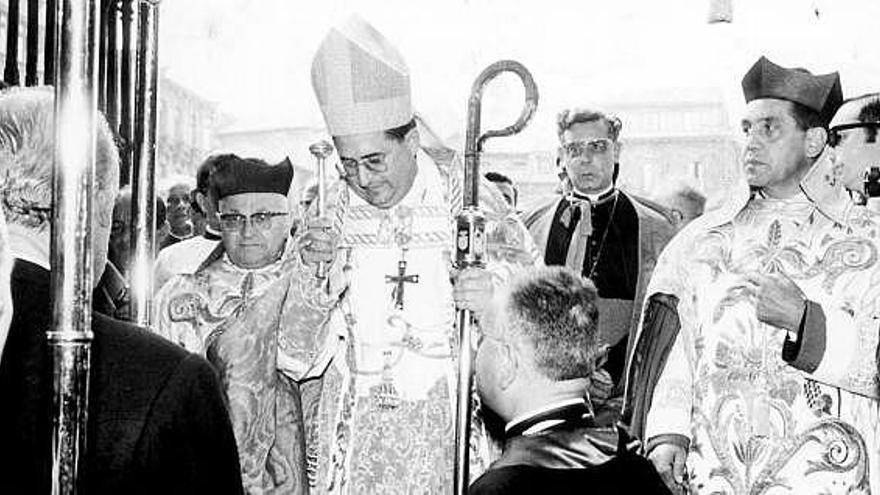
point(361, 81)
point(246, 175)
point(821, 93)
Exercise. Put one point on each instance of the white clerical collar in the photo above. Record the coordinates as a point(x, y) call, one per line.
point(179, 238)
point(29, 245)
point(540, 410)
point(594, 197)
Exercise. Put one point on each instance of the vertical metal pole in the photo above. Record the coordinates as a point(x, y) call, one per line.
point(10, 71)
point(102, 61)
point(32, 50)
point(143, 192)
point(112, 54)
point(49, 48)
point(126, 92)
point(71, 275)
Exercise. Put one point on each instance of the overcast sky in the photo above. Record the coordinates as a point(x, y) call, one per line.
point(253, 57)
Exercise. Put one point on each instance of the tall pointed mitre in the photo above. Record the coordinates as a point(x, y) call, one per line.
point(361, 81)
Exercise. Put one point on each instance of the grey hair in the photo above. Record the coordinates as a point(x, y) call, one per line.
point(27, 123)
point(554, 310)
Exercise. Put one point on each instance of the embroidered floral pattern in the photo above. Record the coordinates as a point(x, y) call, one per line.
point(758, 424)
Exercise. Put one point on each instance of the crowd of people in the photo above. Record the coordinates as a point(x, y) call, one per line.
point(623, 344)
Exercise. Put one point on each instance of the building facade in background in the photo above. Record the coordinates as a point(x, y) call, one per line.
point(666, 137)
point(187, 121)
point(187, 128)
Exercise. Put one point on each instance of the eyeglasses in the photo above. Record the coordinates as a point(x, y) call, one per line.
point(260, 220)
point(374, 163)
point(591, 148)
point(767, 129)
point(835, 136)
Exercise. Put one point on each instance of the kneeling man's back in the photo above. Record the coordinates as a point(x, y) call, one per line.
point(537, 351)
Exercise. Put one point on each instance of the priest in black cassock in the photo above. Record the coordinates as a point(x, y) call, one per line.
point(536, 353)
point(603, 233)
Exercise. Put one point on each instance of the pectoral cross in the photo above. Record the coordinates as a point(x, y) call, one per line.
point(400, 279)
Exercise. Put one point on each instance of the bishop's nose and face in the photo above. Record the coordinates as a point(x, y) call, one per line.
point(254, 227)
point(775, 152)
point(377, 167)
point(588, 155)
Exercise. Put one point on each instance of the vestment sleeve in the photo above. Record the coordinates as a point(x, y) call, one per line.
point(836, 346)
point(307, 341)
point(670, 409)
point(176, 313)
point(668, 306)
point(660, 330)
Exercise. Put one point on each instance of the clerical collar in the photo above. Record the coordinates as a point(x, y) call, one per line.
point(594, 199)
point(211, 235)
point(551, 415)
point(179, 238)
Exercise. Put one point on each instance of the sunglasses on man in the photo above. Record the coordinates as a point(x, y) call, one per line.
point(835, 134)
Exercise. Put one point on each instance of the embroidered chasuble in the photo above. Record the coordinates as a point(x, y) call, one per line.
point(231, 316)
point(765, 412)
point(384, 410)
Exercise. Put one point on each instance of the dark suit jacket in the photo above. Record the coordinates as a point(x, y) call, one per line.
point(157, 421)
point(624, 475)
point(572, 456)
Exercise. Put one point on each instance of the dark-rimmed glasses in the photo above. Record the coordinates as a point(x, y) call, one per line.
point(236, 221)
point(835, 136)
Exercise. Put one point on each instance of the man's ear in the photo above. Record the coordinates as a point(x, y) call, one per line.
point(815, 141)
point(617, 147)
point(412, 141)
point(508, 366)
point(201, 200)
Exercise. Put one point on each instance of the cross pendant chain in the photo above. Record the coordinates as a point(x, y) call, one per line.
point(400, 279)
